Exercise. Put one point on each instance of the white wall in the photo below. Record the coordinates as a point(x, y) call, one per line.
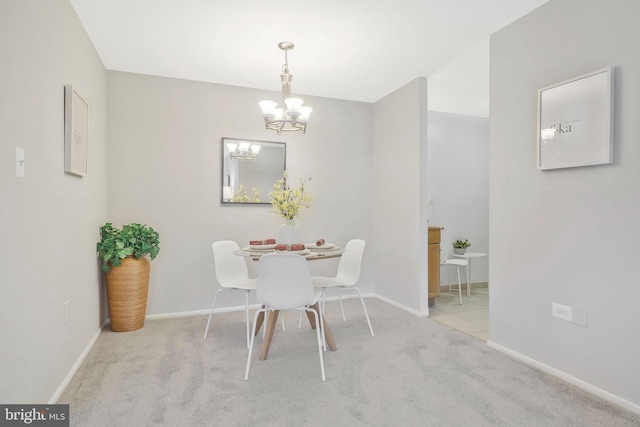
point(461, 86)
point(400, 188)
point(164, 170)
point(458, 176)
point(563, 235)
point(49, 220)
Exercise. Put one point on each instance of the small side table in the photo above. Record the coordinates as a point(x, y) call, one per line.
point(468, 256)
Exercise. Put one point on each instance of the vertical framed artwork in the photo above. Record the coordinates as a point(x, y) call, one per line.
point(76, 132)
point(575, 122)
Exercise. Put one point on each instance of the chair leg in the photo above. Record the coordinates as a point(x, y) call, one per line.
point(253, 335)
point(323, 300)
point(468, 282)
point(344, 319)
point(459, 285)
point(364, 307)
point(318, 327)
point(321, 324)
point(246, 315)
point(206, 331)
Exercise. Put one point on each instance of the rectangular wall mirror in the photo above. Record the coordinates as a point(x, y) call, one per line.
point(250, 169)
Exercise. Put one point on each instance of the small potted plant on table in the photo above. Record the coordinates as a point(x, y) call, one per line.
point(460, 246)
point(123, 258)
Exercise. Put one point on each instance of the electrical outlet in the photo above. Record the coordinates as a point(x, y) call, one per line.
point(66, 312)
point(560, 311)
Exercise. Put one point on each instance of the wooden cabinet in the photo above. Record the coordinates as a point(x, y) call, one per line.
point(434, 263)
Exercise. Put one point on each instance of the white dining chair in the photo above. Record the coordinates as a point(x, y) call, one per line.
point(232, 275)
point(445, 261)
point(346, 278)
point(284, 283)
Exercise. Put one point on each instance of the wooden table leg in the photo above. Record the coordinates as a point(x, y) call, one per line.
point(271, 326)
point(312, 320)
point(327, 332)
point(259, 321)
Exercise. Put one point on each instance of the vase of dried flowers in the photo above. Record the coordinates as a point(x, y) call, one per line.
point(288, 203)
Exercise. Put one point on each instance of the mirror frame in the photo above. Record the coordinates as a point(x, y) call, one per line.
point(226, 174)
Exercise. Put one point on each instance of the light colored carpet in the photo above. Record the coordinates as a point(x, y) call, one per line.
point(415, 372)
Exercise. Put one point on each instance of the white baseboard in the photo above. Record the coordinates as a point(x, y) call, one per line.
point(196, 312)
point(474, 285)
point(74, 369)
point(185, 313)
point(603, 394)
point(402, 307)
point(239, 308)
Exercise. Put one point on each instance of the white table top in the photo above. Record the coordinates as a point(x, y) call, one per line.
point(468, 254)
point(334, 252)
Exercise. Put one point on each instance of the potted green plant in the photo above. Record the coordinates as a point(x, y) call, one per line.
point(124, 257)
point(460, 246)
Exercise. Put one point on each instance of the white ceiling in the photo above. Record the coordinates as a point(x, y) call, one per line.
point(358, 50)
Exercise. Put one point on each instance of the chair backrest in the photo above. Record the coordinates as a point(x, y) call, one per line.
point(444, 255)
point(284, 281)
point(350, 262)
point(230, 269)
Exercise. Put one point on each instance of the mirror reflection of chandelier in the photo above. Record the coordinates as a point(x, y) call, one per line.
point(548, 134)
point(243, 151)
point(292, 116)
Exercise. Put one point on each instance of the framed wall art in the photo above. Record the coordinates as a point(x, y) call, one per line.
point(76, 132)
point(575, 122)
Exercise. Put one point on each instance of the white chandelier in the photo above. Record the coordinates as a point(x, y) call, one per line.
point(243, 151)
point(292, 116)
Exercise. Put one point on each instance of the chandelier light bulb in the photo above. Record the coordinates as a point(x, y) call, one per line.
point(293, 106)
point(305, 112)
point(268, 108)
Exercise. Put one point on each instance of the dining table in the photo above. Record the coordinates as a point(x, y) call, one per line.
point(310, 253)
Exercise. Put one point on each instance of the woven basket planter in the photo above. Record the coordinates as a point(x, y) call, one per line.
point(127, 290)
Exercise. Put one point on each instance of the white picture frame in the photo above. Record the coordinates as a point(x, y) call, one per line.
point(575, 121)
point(76, 132)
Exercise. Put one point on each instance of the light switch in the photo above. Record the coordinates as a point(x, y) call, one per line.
point(19, 162)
